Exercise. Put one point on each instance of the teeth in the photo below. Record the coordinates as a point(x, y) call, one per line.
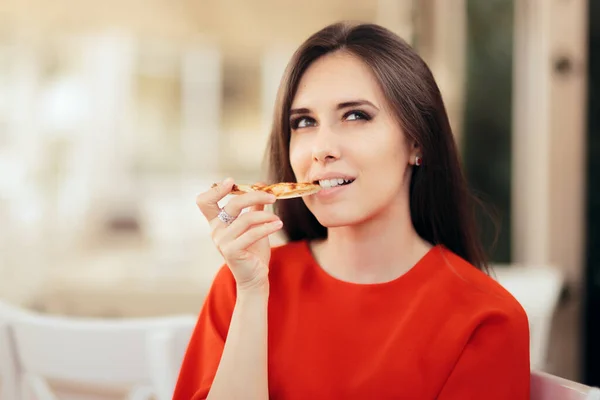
point(329, 183)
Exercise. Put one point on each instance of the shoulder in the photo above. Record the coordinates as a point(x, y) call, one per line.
point(476, 293)
point(296, 249)
point(290, 254)
point(221, 295)
point(290, 264)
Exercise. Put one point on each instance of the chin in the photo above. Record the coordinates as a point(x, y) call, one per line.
point(335, 218)
point(349, 213)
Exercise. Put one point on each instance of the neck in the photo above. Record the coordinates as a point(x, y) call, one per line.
point(377, 250)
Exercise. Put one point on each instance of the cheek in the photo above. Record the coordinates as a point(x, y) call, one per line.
point(386, 163)
point(299, 157)
point(388, 150)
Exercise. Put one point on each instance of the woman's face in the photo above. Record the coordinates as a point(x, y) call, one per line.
point(344, 135)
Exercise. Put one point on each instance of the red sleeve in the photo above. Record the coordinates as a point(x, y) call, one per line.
point(208, 339)
point(494, 364)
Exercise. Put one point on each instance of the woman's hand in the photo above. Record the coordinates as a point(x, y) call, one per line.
point(243, 242)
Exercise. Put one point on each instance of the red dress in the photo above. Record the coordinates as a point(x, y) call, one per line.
point(444, 330)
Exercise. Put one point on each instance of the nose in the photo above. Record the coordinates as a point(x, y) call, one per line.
point(325, 146)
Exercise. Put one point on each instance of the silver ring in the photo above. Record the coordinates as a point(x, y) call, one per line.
point(223, 216)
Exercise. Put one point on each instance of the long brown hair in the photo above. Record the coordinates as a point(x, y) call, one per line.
point(441, 206)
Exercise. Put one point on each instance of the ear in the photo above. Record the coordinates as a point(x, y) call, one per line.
point(415, 154)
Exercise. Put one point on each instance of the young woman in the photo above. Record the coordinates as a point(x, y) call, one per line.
point(381, 291)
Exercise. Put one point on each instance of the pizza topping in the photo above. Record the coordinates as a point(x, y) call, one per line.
point(283, 190)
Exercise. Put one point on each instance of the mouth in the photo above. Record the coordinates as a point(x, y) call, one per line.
point(335, 182)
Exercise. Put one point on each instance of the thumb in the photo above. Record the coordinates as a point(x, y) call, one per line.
point(259, 207)
point(208, 201)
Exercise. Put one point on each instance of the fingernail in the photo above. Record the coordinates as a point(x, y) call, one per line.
point(277, 223)
point(227, 181)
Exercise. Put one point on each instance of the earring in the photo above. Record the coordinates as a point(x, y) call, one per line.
point(418, 161)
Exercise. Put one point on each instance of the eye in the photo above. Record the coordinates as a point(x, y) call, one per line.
point(357, 115)
point(302, 122)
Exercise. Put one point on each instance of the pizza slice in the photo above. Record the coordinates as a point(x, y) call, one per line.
point(283, 190)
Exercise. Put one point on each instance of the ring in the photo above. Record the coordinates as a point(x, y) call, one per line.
point(225, 217)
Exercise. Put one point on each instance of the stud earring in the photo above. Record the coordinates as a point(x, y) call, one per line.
point(418, 161)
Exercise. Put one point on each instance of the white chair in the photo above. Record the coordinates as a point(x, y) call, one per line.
point(9, 367)
point(9, 388)
point(538, 290)
point(550, 387)
point(166, 349)
point(61, 355)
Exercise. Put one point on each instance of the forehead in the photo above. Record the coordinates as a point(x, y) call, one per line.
point(335, 78)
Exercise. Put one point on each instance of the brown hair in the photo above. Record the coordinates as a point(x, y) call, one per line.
point(441, 205)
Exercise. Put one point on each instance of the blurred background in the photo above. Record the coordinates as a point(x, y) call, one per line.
point(115, 114)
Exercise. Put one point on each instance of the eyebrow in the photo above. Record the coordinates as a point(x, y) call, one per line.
point(341, 106)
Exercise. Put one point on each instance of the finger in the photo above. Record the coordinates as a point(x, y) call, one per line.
point(235, 206)
point(235, 248)
point(244, 223)
point(208, 201)
point(258, 207)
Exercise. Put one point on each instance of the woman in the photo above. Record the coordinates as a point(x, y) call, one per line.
point(380, 292)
